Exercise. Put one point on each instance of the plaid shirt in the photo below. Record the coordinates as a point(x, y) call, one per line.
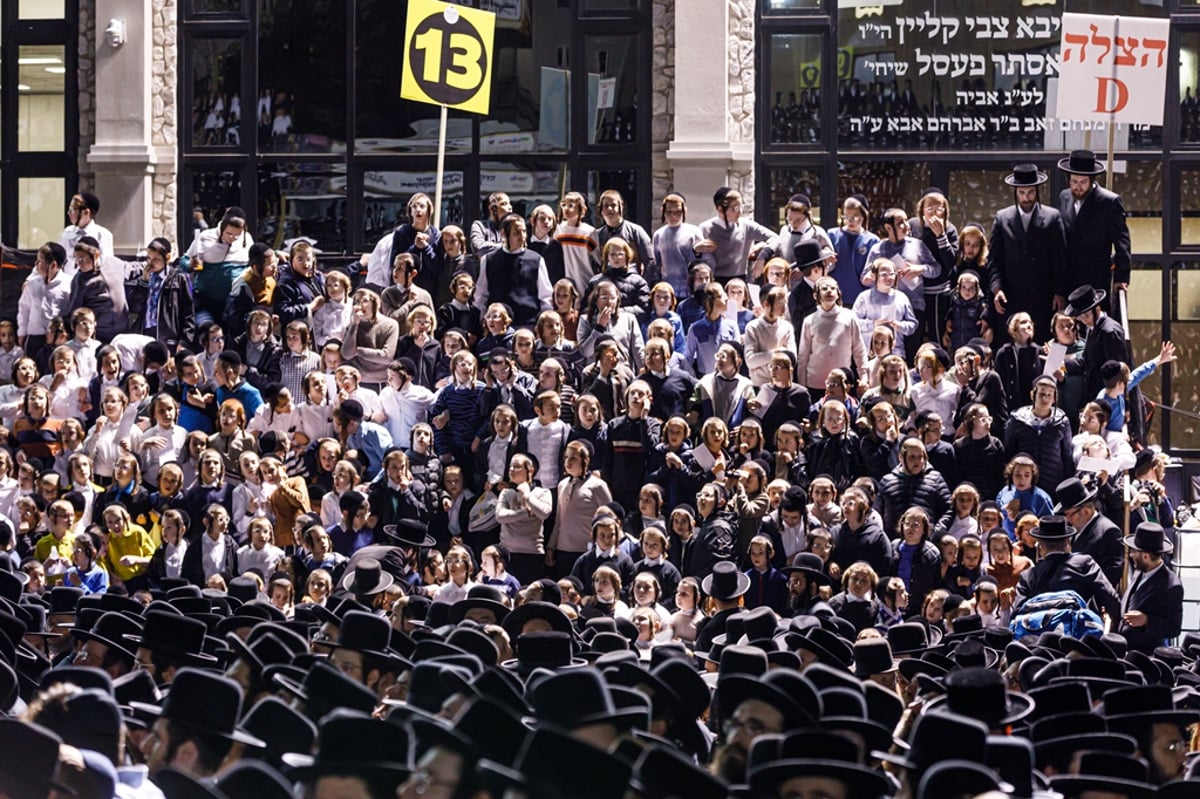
point(294, 367)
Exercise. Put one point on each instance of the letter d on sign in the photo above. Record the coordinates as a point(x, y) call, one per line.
point(1111, 95)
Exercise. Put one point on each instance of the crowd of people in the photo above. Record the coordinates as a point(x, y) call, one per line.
point(545, 508)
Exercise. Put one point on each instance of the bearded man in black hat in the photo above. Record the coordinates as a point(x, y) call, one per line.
point(1097, 234)
point(1152, 609)
point(1027, 255)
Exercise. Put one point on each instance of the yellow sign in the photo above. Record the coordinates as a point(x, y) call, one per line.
point(448, 56)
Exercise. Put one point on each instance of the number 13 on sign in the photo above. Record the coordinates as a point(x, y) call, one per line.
point(448, 56)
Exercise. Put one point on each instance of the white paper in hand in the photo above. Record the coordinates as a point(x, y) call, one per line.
point(766, 395)
point(1055, 358)
point(704, 457)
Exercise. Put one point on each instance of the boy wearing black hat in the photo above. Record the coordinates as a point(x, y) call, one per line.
point(1152, 608)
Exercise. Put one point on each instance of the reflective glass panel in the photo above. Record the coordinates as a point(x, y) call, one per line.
point(216, 92)
point(41, 86)
point(1189, 206)
point(977, 194)
point(963, 74)
point(795, 89)
point(298, 200)
point(386, 195)
point(1141, 191)
point(217, 6)
point(531, 97)
point(527, 184)
point(213, 190)
point(41, 9)
point(301, 107)
point(41, 210)
point(626, 182)
point(784, 183)
point(612, 68)
point(1189, 91)
point(885, 184)
point(384, 123)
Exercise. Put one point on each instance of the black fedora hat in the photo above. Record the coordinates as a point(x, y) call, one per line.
point(281, 726)
point(575, 698)
point(479, 597)
point(908, 638)
point(807, 253)
point(873, 656)
point(732, 691)
point(1053, 528)
point(810, 565)
point(818, 753)
point(367, 578)
point(981, 693)
point(940, 736)
point(1107, 773)
point(1134, 708)
point(324, 688)
point(252, 778)
point(1072, 493)
point(550, 650)
point(1083, 299)
point(1025, 175)
point(174, 636)
point(725, 582)
point(829, 648)
point(110, 629)
point(207, 702)
point(1149, 537)
point(950, 777)
point(409, 533)
point(349, 743)
point(553, 617)
point(1081, 162)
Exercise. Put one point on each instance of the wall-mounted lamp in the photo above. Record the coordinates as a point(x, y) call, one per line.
point(115, 32)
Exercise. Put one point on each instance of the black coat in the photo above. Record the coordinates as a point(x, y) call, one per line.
point(714, 541)
point(1097, 239)
point(1105, 342)
point(1048, 444)
point(981, 462)
point(836, 456)
point(899, 491)
point(672, 393)
point(868, 543)
point(1102, 539)
point(192, 568)
point(1160, 597)
point(926, 574)
point(176, 314)
point(1029, 266)
point(1068, 571)
point(264, 369)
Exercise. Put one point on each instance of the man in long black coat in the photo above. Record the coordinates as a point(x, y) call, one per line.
point(1097, 233)
point(1027, 254)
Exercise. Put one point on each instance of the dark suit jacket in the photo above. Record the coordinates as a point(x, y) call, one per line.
point(1028, 266)
point(1161, 598)
point(1103, 541)
point(1097, 239)
point(1069, 571)
point(1105, 342)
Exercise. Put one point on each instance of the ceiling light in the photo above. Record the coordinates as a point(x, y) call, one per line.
point(31, 61)
point(56, 70)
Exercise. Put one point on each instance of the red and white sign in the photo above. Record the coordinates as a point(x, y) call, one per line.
point(1113, 68)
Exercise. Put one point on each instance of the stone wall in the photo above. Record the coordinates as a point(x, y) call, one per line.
point(87, 92)
point(742, 92)
point(663, 110)
point(164, 130)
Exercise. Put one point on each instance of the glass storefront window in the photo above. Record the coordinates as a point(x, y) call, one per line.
point(1145, 304)
point(599, 6)
point(42, 9)
point(786, 6)
point(531, 91)
point(1141, 191)
point(299, 200)
point(301, 105)
point(626, 182)
point(976, 195)
point(1189, 206)
point(216, 92)
point(795, 81)
point(213, 190)
point(527, 184)
point(216, 6)
point(383, 122)
point(784, 183)
point(972, 75)
point(386, 195)
point(885, 184)
point(41, 211)
point(41, 104)
point(613, 69)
